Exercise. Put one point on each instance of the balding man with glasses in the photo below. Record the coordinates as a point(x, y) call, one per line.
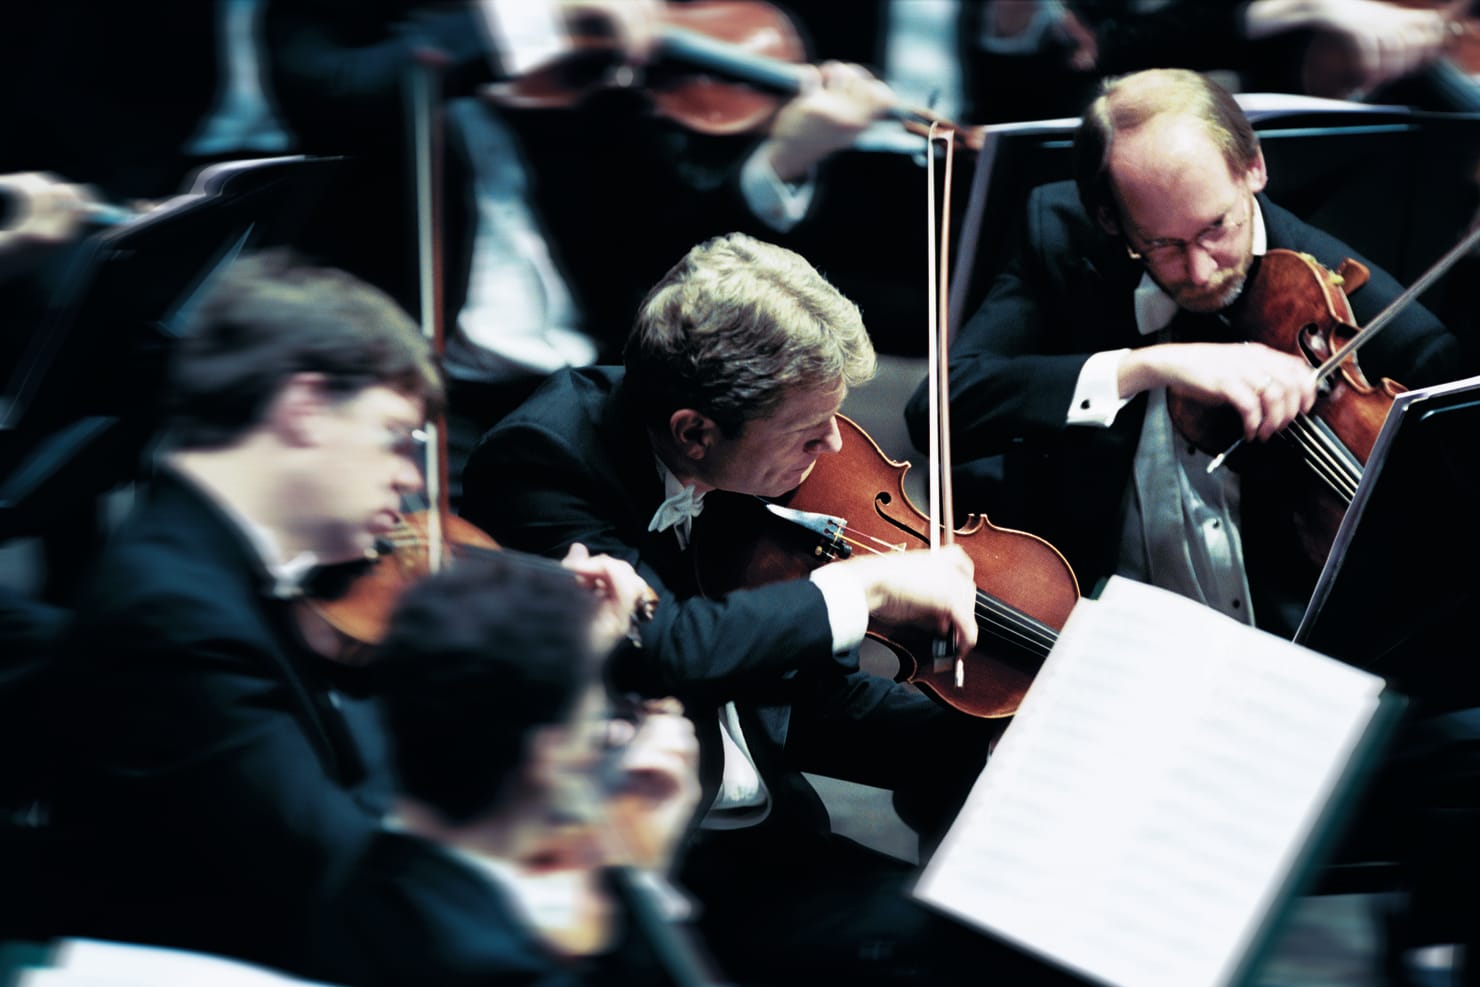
point(1067, 366)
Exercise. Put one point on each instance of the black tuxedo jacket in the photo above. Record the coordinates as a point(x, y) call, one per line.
point(415, 913)
point(1068, 293)
point(217, 782)
point(574, 465)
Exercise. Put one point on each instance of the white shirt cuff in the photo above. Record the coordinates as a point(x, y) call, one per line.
point(847, 606)
point(1097, 397)
point(780, 205)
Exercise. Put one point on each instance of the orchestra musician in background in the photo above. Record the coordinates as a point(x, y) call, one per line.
point(541, 271)
point(1042, 59)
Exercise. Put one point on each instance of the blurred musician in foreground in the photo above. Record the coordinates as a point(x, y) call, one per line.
point(516, 796)
point(217, 774)
point(734, 373)
point(1070, 359)
point(220, 778)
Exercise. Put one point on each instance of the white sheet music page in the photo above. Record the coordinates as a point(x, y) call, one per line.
point(1141, 813)
point(102, 963)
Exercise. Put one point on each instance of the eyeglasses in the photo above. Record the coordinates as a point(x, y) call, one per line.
point(403, 442)
point(1216, 236)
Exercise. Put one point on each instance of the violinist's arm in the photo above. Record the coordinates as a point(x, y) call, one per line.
point(1388, 40)
point(837, 105)
point(700, 649)
point(39, 210)
point(779, 178)
point(1268, 388)
point(659, 789)
point(623, 598)
point(187, 717)
point(641, 819)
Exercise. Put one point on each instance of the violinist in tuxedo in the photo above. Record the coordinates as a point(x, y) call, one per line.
point(732, 379)
point(1067, 365)
point(215, 774)
point(221, 771)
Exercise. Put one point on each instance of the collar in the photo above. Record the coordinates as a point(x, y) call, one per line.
point(1155, 308)
point(287, 576)
point(681, 504)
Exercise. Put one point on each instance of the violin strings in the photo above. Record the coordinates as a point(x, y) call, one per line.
point(1326, 455)
point(1005, 621)
point(1014, 626)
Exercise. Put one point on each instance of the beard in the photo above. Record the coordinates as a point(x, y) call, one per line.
point(1214, 296)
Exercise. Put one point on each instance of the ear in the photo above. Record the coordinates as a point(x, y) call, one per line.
point(692, 433)
point(1108, 221)
point(296, 413)
point(1257, 176)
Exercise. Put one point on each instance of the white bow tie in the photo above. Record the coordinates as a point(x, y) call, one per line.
point(680, 507)
point(1155, 309)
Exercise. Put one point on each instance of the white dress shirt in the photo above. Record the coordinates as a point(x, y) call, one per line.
point(1182, 535)
point(742, 799)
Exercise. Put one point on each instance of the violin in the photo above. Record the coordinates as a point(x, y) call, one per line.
point(855, 501)
point(722, 67)
point(346, 608)
point(1295, 305)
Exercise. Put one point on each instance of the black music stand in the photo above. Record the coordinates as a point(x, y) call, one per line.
point(1395, 595)
point(84, 400)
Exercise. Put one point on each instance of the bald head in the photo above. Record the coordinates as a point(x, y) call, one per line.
point(1155, 118)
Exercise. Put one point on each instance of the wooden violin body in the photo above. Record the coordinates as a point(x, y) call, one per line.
point(1295, 305)
point(746, 52)
point(722, 67)
point(348, 607)
point(855, 501)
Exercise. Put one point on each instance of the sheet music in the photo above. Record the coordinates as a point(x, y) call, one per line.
point(1144, 808)
point(99, 963)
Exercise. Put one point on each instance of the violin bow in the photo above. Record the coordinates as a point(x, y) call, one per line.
point(424, 96)
point(941, 507)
